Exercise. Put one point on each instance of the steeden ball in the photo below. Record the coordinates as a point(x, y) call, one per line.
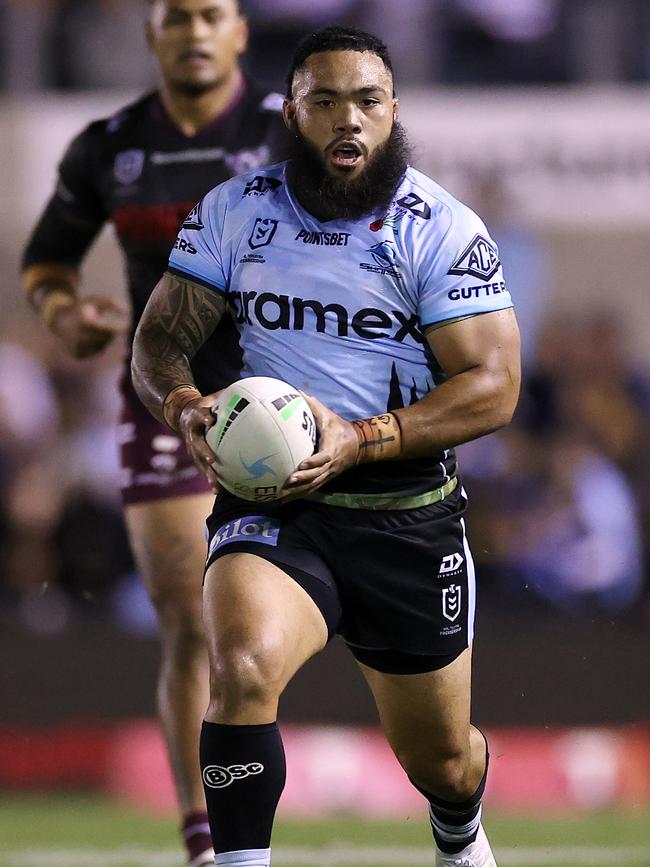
point(263, 430)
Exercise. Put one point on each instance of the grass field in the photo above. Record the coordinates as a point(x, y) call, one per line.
point(88, 832)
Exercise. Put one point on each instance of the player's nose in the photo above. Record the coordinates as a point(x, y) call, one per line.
point(198, 27)
point(348, 121)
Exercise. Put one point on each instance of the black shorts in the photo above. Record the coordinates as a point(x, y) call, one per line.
point(398, 586)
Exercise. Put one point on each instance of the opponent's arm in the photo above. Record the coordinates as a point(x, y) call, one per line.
point(84, 325)
point(479, 354)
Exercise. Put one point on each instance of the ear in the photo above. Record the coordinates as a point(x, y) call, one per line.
point(395, 108)
point(289, 114)
point(243, 34)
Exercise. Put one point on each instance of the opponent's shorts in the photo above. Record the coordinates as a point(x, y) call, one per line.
point(154, 462)
point(397, 585)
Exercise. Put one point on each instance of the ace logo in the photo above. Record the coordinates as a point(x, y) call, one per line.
point(193, 220)
point(479, 259)
point(263, 233)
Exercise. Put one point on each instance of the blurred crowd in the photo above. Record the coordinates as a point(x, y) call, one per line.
point(81, 44)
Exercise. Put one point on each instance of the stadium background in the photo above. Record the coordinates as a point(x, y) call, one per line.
point(535, 112)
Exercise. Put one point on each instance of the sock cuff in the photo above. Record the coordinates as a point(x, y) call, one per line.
point(192, 822)
point(244, 858)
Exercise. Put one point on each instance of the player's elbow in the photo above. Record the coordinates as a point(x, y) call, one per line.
point(505, 394)
point(139, 354)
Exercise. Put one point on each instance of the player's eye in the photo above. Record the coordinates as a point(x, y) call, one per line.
point(325, 103)
point(212, 16)
point(174, 19)
point(369, 102)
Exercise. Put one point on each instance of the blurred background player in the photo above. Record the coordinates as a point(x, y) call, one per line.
point(143, 169)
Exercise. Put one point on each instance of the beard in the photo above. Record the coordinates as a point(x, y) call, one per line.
point(335, 198)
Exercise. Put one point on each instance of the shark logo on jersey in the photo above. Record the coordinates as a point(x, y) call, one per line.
point(128, 166)
point(263, 232)
point(479, 259)
point(384, 255)
point(193, 219)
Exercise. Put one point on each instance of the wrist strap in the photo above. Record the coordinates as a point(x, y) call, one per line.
point(54, 301)
point(40, 281)
point(380, 438)
point(176, 401)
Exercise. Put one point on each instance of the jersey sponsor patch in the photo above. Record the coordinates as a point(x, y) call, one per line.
point(252, 528)
point(193, 220)
point(219, 777)
point(479, 259)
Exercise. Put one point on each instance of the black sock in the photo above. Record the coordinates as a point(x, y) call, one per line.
point(455, 824)
point(244, 772)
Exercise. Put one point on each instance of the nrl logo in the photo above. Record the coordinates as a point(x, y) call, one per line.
point(479, 259)
point(451, 602)
point(263, 232)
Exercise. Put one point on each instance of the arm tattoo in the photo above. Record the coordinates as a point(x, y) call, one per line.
point(178, 319)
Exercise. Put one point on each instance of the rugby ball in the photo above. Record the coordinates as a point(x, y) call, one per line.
point(263, 429)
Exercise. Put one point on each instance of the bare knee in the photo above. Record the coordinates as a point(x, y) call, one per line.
point(181, 629)
point(245, 676)
point(443, 773)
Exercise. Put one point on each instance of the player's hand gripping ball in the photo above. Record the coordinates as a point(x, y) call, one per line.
point(263, 430)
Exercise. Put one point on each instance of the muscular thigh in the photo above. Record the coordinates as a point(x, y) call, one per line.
point(255, 611)
point(431, 709)
point(168, 541)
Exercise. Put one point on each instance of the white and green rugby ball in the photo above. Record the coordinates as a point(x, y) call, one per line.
point(264, 429)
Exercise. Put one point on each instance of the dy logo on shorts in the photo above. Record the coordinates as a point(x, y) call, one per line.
point(252, 528)
point(451, 597)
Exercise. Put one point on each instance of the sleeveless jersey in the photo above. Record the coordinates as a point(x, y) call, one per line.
point(339, 308)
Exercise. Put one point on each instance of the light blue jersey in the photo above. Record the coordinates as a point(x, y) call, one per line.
point(339, 308)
